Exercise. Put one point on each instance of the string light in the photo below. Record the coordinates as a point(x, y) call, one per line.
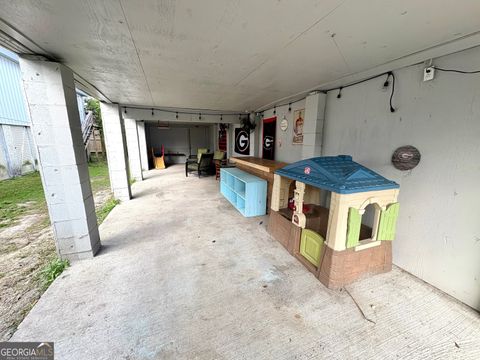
point(289, 107)
point(339, 95)
point(386, 84)
point(274, 110)
point(177, 113)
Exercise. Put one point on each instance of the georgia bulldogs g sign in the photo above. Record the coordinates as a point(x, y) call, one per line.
point(268, 142)
point(269, 129)
point(242, 142)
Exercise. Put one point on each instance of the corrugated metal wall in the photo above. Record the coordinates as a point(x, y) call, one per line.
point(12, 105)
point(17, 151)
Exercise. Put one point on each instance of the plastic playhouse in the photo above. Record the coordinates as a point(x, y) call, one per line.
point(336, 217)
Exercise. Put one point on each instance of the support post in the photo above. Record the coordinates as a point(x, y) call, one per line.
point(313, 125)
point(142, 142)
point(115, 147)
point(50, 94)
point(133, 149)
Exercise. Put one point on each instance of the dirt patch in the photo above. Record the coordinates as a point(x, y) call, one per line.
point(101, 197)
point(17, 236)
point(25, 249)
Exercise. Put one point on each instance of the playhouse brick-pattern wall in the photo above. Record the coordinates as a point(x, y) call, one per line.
point(340, 268)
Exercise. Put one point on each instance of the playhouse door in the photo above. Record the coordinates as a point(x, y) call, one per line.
point(311, 246)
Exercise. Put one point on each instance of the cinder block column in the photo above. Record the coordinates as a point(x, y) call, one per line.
point(133, 149)
point(115, 145)
point(142, 142)
point(313, 125)
point(52, 102)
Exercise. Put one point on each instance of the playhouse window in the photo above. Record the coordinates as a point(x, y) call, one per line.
point(362, 225)
point(367, 222)
point(370, 219)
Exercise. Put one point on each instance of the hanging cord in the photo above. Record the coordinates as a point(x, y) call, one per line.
point(385, 85)
point(392, 109)
point(457, 71)
point(340, 88)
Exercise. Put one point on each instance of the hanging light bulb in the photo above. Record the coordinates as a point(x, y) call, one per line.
point(152, 112)
point(199, 116)
point(176, 115)
point(339, 95)
point(124, 110)
point(274, 110)
point(289, 107)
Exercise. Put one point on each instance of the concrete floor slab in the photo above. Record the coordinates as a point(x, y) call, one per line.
point(182, 275)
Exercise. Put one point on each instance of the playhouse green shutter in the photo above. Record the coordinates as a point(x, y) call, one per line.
point(353, 227)
point(388, 221)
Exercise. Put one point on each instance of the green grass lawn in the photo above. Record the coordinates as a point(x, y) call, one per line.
point(99, 176)
point(19, 196)
point(24, 194)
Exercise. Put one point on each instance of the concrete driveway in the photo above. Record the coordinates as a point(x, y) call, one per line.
point(182, 275)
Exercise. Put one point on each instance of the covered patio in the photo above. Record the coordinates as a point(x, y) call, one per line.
point(182, 275)
point(378, 101)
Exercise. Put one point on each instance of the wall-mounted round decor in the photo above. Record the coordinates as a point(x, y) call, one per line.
point(406, 157)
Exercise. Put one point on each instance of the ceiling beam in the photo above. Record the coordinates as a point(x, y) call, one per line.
point(180, 115)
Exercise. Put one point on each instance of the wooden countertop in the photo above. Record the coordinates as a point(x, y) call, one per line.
point(260, 164)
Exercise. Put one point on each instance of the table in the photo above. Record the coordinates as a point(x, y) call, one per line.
point(171, 156)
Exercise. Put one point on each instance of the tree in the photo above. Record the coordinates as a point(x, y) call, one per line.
point(93, 105)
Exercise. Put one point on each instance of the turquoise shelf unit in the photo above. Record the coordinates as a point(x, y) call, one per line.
point(247, 193)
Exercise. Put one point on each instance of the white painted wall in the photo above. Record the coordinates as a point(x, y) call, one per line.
point(176, 139)
point(438, 236)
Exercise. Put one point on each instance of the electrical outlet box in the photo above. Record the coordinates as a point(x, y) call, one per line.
point(428, 73)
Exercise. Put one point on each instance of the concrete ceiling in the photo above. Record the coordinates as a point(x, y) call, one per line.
point(230, 54)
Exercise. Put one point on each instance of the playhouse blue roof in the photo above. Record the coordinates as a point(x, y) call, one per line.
point(339, 174)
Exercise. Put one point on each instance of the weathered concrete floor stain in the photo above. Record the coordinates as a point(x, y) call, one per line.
point(182, 275)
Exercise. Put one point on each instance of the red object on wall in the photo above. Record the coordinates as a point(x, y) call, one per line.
point(222, 137)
